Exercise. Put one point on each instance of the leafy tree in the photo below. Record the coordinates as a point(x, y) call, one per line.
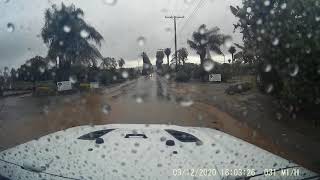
point(167, 51)
point(69, 37)
point(121, 62)
point(282, 38)
point(182, 55)
point(108, 63)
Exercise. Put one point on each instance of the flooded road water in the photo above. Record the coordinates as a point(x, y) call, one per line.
point(147, 100)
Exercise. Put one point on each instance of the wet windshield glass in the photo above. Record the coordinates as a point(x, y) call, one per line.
point(193, 88)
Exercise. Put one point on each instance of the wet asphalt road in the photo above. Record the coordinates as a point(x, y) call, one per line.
point(144, 101)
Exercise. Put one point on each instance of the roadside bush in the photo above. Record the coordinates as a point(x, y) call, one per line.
point(84, 86)
point(182, 76)
point(44, 91)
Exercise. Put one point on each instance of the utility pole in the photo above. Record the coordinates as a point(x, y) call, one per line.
point(175, 35)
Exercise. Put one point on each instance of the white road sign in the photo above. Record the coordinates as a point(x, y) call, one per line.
point(64, 85)
point(215, 77)
point(94, 85)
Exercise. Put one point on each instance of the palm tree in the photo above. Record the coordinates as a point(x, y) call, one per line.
point(167, 51)
point(159, 57)
point(121, 62)
point(205, 38)
point(182, 55)
point(69, 37)
point(232, 50)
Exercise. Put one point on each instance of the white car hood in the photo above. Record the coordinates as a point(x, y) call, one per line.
point(62, 155)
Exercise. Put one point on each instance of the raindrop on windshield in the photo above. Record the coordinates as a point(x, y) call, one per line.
point(139, 100)
point(228, 43)
point(267, 3)
point(41, 69)
point(293, 69)
point(167, 76)
point(202, 30)
point(269, 88)
point(249, 10)
point(283, 6)
point(186, 102)
point(110, 2)
point(188, 1)
point(6, 1)
point(267, 68)
point(73, 79)
point(66, 28)
point(106, 108)
point(141, 41)
point(208, 65)
point(10, 27)
point(84, 33)
point(275, 42)
point(125, 74)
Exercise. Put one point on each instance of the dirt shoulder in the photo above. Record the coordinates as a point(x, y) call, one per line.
point(259, 121)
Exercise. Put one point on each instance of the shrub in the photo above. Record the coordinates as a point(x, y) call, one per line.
point(84, 86)
point(182, 76)
point(44, 91)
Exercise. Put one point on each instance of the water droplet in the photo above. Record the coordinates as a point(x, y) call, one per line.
point(259, 21)
point(42, 69)
point(136, 144)
point(188, 1)
point(6, 1)
point(275, 42)
point(267, 68)
point(208, 65)
point(167, 76)
point(186, 102)
point(267, 3)
point(249, 10)
point(159, 165)
point(228, 43)
point(139, 100)
point(169, 30)
point(106, 108)
point(199, 143)
point(45, 110)
point(66, 28)
point(61, 43)
point(10, 27)
point(84, 33)
point(125, 74)
point(293, 69)
point(317, 18)
point(269, 88)
point(110, 2)
point(283, 6)
point(141, 41)
point(134, 151)
point(73, 79)
point(162, 139)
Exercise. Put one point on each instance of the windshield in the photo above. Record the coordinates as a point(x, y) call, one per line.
point(163, 74)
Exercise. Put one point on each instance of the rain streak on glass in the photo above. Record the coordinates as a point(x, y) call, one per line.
point(269, 88)
point(141, 41)
point(10, 27)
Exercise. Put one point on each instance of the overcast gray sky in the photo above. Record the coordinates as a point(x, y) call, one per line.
point(121, 24)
